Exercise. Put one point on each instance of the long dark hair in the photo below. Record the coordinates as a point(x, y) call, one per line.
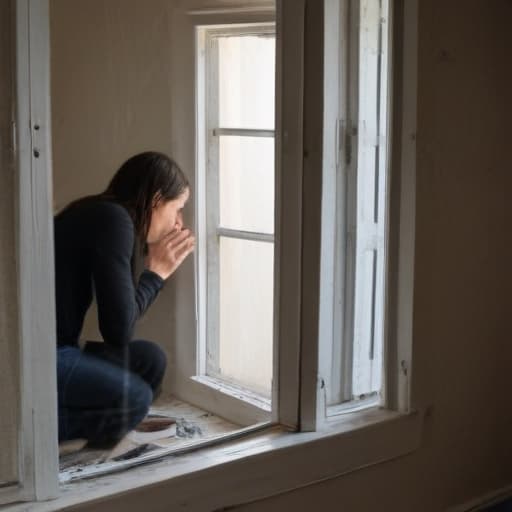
point(139, 183)
point(143, 180)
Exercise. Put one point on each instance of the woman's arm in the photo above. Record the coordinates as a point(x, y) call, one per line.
point(120, 303)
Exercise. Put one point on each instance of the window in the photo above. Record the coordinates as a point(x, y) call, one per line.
point(325, 265)
point(236, 92)
point(361, 205)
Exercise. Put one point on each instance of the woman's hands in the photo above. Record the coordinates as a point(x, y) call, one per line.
point(167, 254)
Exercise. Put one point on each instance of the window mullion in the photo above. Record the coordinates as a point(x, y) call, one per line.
point(243, 132)
point(245, 235)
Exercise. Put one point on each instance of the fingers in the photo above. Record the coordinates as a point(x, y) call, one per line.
point(181, 252)
point(176, 237)
point(173, 237)
point(181, 255)
point(170, 252)
point(186, 247)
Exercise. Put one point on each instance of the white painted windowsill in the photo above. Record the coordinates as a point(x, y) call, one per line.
point(251, 468)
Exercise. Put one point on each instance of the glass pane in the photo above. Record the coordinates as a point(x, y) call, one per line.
point(247, 183)
point(246, 313)
point(358, 348)
point(246, 82)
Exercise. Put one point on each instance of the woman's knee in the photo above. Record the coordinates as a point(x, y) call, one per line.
point(148, 360)
point(136, 399)
point(139, 399)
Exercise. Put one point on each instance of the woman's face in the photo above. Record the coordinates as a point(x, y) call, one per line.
point(167, 216)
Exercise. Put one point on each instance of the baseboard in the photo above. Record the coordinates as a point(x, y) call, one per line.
point(487, 500)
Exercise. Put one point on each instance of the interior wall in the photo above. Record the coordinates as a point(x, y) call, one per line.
point(462, 306)
point(9, 351)
point(111, 98)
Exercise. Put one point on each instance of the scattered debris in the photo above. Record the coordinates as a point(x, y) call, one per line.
point(139, 450)
point(187, 429)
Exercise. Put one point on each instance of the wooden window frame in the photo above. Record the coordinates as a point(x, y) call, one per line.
point(316, 351)
point(342, 130)
point(366, 437)
point(38, 451)
point(207, 206)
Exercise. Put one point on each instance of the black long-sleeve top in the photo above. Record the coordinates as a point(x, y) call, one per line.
point(94, 244)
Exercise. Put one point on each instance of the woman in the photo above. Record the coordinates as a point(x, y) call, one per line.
point(105, 390)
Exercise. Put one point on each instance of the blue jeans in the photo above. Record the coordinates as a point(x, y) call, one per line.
point(105, 391)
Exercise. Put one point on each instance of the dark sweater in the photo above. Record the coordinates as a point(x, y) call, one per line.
point(94, 243)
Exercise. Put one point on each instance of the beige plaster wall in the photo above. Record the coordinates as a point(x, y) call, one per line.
point(9, 354)
point(111, 98)
point(462, 339)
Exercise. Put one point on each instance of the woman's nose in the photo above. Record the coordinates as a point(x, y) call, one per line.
point(179, 221)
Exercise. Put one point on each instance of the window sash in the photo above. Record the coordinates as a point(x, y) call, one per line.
point(361, 231)
point(340, 151)
point(209, 343)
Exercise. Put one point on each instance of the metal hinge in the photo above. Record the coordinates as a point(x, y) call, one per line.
point(350, 133)
point(348, 147)
point(343, 142)
point(338, 142)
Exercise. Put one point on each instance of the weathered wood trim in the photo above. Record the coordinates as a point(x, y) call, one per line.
point(311, 218)
point(38, 450)
point(402, 217)
point(191, 482)
point(289, 163)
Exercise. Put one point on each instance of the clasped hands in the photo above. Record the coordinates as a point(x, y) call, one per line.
point(167, 254)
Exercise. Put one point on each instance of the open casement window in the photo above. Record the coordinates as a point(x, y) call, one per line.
point(355, 201)
point(235, 213)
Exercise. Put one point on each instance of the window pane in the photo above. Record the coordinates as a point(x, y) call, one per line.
point(358, 338)
point(246, 313)
point(247, 183)
point(371, 201)
point(246, 82)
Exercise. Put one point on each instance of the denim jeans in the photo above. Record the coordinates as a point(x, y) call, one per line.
point(105, 391)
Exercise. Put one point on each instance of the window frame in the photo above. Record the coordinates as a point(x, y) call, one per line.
point(316, 354)
point(37, 444)
point(343, 127)
point(366, 437)
point(208, 225)
point(250, 407)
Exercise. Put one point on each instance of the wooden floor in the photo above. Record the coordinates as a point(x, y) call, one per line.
point(190, 426)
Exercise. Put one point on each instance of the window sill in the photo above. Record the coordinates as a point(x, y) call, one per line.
point(235, 391)
point(251, 468)
point(230, 402)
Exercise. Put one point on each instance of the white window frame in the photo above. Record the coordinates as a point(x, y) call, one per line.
point(344, 126)
point(37, 451)
point(207, 205)
point(366, 437)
